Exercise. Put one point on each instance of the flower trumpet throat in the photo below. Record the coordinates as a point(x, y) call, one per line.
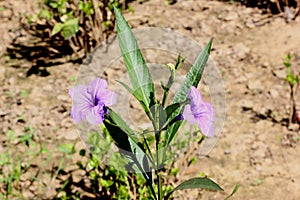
point(91, 101)
point(200, 113)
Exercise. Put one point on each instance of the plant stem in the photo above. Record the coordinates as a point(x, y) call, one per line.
point(157, 148)
point(167, 88)
point(148, 148)
point(159, 187)
point(293, 105)
point(152, 190)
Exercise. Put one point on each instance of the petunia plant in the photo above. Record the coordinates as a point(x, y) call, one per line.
point(94, 102)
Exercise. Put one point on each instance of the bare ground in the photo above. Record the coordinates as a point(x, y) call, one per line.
point(255, 149)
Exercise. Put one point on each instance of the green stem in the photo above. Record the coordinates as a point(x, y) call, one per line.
point(148, 148)
point(157, 133)
point(160, 196)
point(152, 190)
point(169, 85)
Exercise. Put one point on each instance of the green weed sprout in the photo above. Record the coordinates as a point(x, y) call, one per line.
point(293, 80)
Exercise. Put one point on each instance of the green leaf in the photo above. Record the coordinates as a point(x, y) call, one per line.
point(172, 108)
point(204, 183)
point(235, 189)
point(57, 28)
point(117, 120)
point(192, 79)
point(53, 4)
point(159, 115)
point(128, 144)
point(135, 94)
point(163, 115)
point(67, 148)
point(137, 69)
point(70, 28)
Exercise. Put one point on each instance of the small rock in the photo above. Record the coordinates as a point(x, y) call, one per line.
point(247, 104)
point(250, 24)
point(273, 93)
point(51, 122)
point(227, 152)
point(240, 79)
point(293, 127)
point(255, 85)
point(240, 51)
point(280, 73)
point(268, 161)
point(12, 81)
point(6, 13)
point(265, 65)
point(63, 97)
point(4, 112)
point(231, 16)
point(246, 11)
point(48, 87)
point(287, 14)
point(2, 74)
point(71, 135)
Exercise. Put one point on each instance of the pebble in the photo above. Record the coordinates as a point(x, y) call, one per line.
point(265, 65)
point(250, 24)
point(2, 74)
point(248, 104)
point(228, 16)
point(227, 152)
point(240, 79)
point(255, 85)
point(293, 127)
point(241, 51)
point(6, 14)
point(280, 73)
point(12, 81)
point(70, 135)
point(63, 97)
point(274, 93)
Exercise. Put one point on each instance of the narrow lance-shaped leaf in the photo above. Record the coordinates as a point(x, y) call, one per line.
point(235, 189)
point(135, 94)
point(192, 79)
point(204, 183)
point(128, 144)
point(137, 69)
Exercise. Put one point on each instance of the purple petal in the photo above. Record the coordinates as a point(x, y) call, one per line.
point(79, 112)
point(195, 96)
point(207, 127)
point(82, 102)
point(108, 98)
point(201, 112)
point(206, 120)
point(210, 112)
point(79, 94)
point(97, 87)
point(188, 115)
point(96, 115)
point(196, 101)
point(90, 101)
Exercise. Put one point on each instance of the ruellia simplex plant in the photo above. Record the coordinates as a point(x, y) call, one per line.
point(147, 155)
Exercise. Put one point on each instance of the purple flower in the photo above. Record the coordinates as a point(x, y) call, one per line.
point(91, 101)
point(199, 112)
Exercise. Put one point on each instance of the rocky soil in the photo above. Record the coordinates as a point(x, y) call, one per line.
point(255, 148)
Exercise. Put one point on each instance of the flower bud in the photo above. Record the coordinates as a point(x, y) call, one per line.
point(171, 66)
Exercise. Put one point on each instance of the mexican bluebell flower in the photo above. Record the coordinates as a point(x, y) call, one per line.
point(91, 101)
point(199, 112)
